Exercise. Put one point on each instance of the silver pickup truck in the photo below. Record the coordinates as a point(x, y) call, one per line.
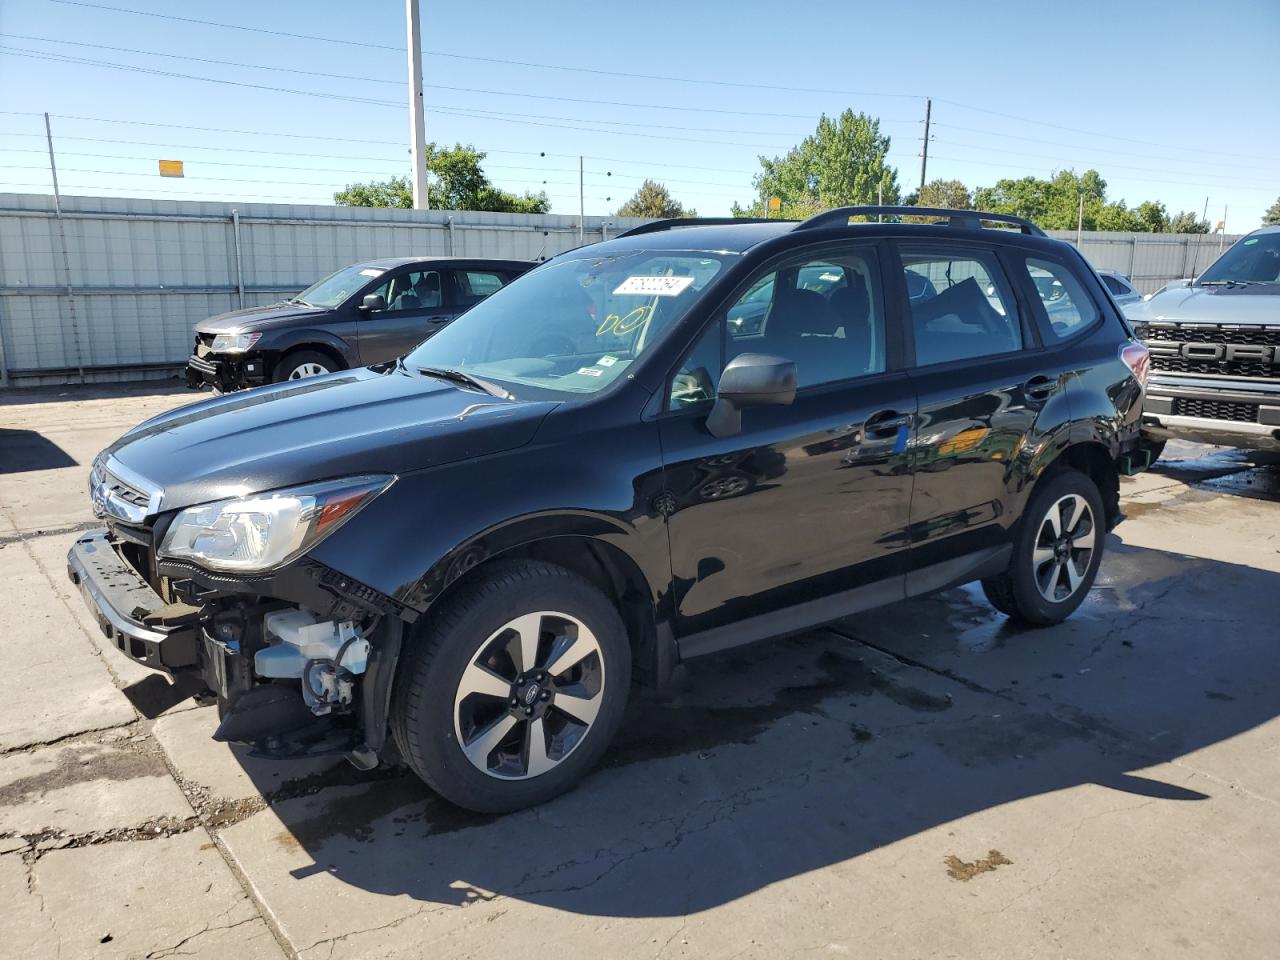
point(1215, 351)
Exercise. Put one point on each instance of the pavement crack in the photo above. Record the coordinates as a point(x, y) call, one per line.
point(943, 672)
point(176, 949)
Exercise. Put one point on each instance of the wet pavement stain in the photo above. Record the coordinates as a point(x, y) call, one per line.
point(82, 765)
point(963, 871)
point(355, 816)
point(658, 729)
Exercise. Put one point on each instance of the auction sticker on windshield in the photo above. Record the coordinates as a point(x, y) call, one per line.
point(654, 286)
point(371, 272)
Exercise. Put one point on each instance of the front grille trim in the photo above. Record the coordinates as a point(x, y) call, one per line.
point(1225, 334)
point(120, 493)
point(1230, 411)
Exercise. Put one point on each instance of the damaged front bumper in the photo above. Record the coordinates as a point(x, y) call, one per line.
point(226, 373)
point(219, 640)
point(163, 636)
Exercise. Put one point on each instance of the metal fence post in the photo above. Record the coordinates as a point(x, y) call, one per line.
point(1133, 255)
point(4, 364)
point(451, 239)
point(66, 257)
point(235, 231)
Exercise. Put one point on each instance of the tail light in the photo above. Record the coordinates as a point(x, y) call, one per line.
point(1138, 359)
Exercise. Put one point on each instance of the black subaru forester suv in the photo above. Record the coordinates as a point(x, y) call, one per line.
point(463, 559)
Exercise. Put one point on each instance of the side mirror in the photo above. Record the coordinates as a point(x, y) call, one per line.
point(750, 380)
point(372, 302)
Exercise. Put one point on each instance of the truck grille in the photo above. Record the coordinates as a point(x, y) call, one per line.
point(1166, 341)
point(1216, 410)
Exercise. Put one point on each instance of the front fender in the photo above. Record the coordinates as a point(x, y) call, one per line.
point(577, 478)
point(280, 343)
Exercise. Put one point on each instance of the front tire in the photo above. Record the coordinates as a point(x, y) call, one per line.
point(1056, 554)
point(302, 364)
point(514, 688)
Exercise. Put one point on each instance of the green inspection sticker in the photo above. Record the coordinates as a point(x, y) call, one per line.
point(1251, 241)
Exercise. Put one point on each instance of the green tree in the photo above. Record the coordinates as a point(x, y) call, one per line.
point(951, 194)
point(1187, 222)
point(1154, 217)
point(1054, 204)
point(455, 182)
point(1272, 216)
point(841, 164)
point(654, 200)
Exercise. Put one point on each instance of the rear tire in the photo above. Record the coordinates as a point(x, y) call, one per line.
point(513, 688)
point(301, 364)
point(1056, 553)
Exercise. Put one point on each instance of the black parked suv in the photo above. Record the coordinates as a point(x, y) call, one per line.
point(463, 560)
point(363, 314)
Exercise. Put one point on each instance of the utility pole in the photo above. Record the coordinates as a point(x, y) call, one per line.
point(66, 257)
point(924, 154)
point(1222, 238)
point(417, 119)
point(582, 205)
point(1080, 221)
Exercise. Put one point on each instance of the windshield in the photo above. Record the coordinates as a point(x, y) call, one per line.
point(336, 287)
point(571, 327)
point(1254, 259)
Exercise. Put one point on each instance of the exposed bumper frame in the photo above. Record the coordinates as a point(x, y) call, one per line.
point(131, 615)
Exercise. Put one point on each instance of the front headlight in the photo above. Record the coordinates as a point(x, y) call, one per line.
point(259, 533)
point(234, 342)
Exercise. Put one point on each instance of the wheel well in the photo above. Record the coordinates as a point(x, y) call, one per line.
point(615, 575)
point(1093, 460)
point(323, 348)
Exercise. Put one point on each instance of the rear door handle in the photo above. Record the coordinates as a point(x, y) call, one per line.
point(885, 424)
point(442, 318)
point(1040, 387)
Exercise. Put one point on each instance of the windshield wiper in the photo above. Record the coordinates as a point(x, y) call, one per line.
point(300, 302)
point(1231, 283)
point(467, 380)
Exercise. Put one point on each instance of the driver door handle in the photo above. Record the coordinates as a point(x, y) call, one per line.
point(1040, 387)
point(885, 424)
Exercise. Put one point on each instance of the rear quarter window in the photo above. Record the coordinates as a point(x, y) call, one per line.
point(1065, 305)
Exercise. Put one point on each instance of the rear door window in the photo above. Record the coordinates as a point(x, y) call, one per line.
point(962, 306)
point(472, 286)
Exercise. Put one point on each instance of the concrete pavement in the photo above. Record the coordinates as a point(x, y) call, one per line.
point(924, 780)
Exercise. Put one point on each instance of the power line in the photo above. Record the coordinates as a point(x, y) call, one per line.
point(641, 76)
point(514, 63)
point(1167, 183)
point(1087, 133)
point(1119, 153)
point(1062, 162)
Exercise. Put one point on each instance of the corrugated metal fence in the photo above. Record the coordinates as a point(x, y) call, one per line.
point(138, 274)
point(143, 272)
point(1150, 260)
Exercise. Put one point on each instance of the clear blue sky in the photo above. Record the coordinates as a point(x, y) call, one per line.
point(1170, 100)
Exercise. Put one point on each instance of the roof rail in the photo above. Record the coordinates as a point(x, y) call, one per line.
point(966, 219)
point(658, 226)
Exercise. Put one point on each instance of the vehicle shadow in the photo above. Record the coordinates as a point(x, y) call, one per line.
point(800, 753)
point(22, 451)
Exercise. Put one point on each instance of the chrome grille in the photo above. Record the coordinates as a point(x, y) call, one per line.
point(128, 500)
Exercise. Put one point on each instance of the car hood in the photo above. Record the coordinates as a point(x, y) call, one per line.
point(1209, 305)
point(343, 424)
point(258, 318)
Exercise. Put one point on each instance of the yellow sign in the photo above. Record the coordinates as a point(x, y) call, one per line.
point(775, 203)
point(171, 168)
